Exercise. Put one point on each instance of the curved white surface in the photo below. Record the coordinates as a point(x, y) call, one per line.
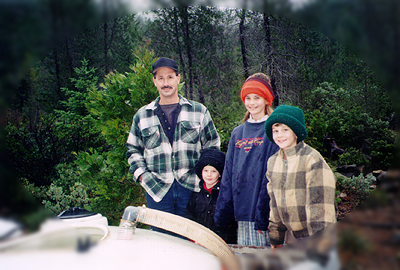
point(146, 250)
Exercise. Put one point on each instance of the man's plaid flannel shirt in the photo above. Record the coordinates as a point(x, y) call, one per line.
point(151, 155)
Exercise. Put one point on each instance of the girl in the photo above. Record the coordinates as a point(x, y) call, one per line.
point(243, 180)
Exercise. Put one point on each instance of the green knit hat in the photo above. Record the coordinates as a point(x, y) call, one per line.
point(291, 116)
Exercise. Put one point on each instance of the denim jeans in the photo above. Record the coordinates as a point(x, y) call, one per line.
point(174, 202)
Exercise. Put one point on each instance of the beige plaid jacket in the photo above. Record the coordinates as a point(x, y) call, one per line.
point(302, 192)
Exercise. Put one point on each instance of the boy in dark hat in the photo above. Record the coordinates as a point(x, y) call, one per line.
point(201, 205)
point(301, 185)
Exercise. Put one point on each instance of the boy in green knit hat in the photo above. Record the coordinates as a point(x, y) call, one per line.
point(301, 185)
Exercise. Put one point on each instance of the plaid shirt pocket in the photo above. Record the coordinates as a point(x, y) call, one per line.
point(190, 131)
point(151, 137)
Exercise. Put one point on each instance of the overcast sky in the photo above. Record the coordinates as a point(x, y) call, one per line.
point(141, 6)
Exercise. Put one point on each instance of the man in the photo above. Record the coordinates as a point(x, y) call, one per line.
point(165, 140)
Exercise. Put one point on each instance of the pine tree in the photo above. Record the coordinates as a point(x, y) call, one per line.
point(75, 124)
point(113, 106)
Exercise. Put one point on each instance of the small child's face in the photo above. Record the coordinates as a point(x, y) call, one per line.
point(255, 105)
point(283, 136)
point(210, 176)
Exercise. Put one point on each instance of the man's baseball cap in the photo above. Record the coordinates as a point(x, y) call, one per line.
point(165, 62)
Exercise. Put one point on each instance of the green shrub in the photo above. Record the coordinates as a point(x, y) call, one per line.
point(316, 128)
point(59, 200)
point(383, 149)
point(65, 191)
point(353, 156)
point(346, 115)
point(228, 118)
point(355, 187)
point(337, 198)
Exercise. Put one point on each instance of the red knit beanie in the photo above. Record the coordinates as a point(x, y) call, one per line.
point(257, 84)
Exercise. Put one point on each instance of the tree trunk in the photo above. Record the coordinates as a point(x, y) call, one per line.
point(269, 66)
point(185, 21)
point(268, 45)
point(199, 89)
point(70, 58)
point(105, 32)
point(243, 45)
point(58, 77)
point(178, 46)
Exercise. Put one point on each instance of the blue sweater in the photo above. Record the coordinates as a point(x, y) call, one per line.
point(243, 179)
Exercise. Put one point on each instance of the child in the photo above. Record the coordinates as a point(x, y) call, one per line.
point(301, 185)
point(246, 164)
point(201, 205)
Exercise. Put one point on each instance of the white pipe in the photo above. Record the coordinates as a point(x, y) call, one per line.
point(179, 225)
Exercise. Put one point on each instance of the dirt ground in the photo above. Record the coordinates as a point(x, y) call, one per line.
point(369, 236)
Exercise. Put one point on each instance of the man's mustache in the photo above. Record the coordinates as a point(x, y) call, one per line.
point(164, 87)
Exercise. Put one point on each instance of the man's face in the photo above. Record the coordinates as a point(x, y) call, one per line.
point(166, 82)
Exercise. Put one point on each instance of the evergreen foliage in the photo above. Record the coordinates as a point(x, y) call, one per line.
point(74, 124)
point(33, 146)
point(356, 187)
point(347, 116)
point(353, 156)
point(113, 106)
point(70, 119)
point(316, 128)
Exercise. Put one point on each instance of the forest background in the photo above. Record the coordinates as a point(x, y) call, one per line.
point(43, 30)
point(31, 30)
point(68, 120)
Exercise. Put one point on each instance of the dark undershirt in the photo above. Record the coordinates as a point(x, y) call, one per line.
point(168, 116)
point(168, 109)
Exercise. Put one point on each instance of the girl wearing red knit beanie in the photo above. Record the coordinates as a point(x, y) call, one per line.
point(243, 180)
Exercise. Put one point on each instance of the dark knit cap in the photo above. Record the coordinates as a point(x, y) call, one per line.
point(165, 62)
point(291, 116)
point(212, 157)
